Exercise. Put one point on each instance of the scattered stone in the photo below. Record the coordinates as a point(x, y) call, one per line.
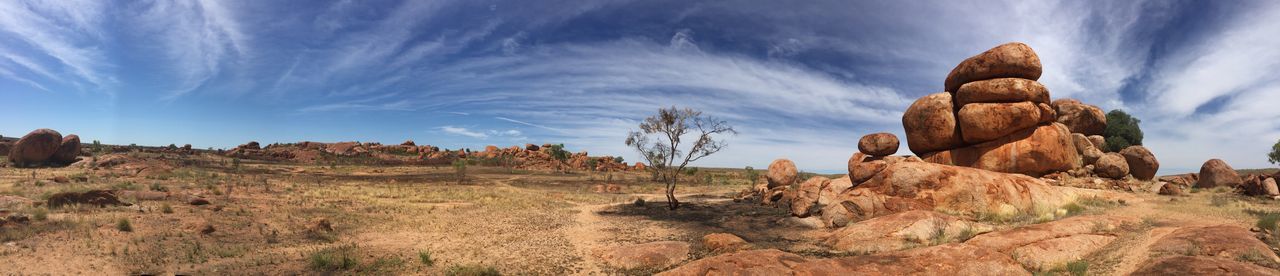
point(1010, 60)
point(930, 124)
point(1079, 117)
point(724, 242)
point(1216, 173)
point(101, 198)
point(61, 179)
point(1142, 164)
point(197, 201)
point(1112, 165)
point(782, 172)
point(208, 229)
point(878, 144)
point(646, 255)
point(1171, 189)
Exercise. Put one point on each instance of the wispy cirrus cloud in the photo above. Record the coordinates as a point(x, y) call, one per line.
point(56, 37)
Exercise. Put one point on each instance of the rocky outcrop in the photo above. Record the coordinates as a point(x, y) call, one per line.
point(947, 259)
point(906, 186)
point(878, 144)
point(1000, 114)
point(782, 172)
point(1200, 265)
point(35, 148)
point(753, 262)
point(1079, 117)
point(807, 195)
point(1142, 164)
point(900, 231)
point(1010, 60)
point(100, 198)
point(1216, 173)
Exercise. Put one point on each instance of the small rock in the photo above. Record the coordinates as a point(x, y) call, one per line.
point(197, 201)
point(208, 229)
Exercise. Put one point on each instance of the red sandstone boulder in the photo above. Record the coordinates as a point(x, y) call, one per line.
point(878, 144)
point(1216, 173)
point(67, 150)
point(981, 122)
point(782, 172)
point(1142, 164)
point(35, 147)
point(1112, 165)
point(1002, 90)
point(1080, 117)
point(1009, 60)
point(930, 124)
point(724, 242)
point(646, 255)
point(1036, 151)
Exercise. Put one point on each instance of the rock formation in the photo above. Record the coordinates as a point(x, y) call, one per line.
point(994, 116)
point(44, 146)
point(1216, 173)
point(782, 172)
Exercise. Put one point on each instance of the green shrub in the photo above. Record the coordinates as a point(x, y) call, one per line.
point(166, 208)
point(1078, 268)
point(1274, 155)
point(40, 214)
point(334, 258)
point(1122, 131)
point(472, 270)
point(1268, 221)
point(425, 257)
point(124, 225)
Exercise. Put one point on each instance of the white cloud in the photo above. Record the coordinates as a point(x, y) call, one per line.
point(464, 132)
point(65, 31)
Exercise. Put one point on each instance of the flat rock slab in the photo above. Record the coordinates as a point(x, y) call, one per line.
point(646, 255)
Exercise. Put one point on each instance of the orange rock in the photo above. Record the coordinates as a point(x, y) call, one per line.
point(807, 195)
point(1112, 165)
point(36, 147)
point(67, 150)
point(1216, 173)
point(1080, 117)
point(1002, 90)
point(647, 255)
point(753, 262)
point(782, 172)
point(981, 122)
point(1009, 60)
point(878, 144)
point(930, 124)
point(1036, 151)
point(1142, 164)
point(724, 242)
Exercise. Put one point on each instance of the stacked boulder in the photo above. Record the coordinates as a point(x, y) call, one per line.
point(874, 154)
point(994, 116)
point(782, 173)
point(45, 146)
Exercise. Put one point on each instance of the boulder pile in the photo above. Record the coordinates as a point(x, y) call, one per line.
point(993, 115)
point(531, 157)
point(44, 147)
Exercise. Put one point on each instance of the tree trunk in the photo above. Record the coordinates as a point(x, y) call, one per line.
point(671, 193)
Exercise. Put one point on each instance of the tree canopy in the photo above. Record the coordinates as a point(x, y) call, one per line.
point(1122, 131)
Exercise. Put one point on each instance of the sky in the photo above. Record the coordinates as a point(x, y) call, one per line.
point(798, 79)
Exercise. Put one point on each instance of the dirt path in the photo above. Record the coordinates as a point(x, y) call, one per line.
point(586, 236)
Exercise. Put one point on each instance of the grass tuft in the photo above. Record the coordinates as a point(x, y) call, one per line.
point(424, 256)
point(124, 226)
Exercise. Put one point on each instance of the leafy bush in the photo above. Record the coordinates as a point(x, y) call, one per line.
point(337, 258)
point(1122, 131)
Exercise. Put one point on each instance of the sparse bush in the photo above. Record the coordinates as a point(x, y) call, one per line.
point(1268, 221)
point(752, 175)
point(471, 270)
point(460, 170)
point(1078, 268)
point(124, 226)
point(40, 214)
point(1122, 131)
point(424, 256)
point(166, 208)
point(334, 258)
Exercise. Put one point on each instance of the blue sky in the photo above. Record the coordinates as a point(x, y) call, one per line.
point(802, 79)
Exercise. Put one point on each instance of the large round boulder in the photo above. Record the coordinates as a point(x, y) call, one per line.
point(981, 122)
point(35, 147)
point(67, 150)
point(1112, 165)
point(1080, 117)
point(782, 172)
point(1009, 60)
point(1035, 151)
point(1002, 90)
point(1142, 164)
point(930, 124)
point(878, 144)
point(1216, 173)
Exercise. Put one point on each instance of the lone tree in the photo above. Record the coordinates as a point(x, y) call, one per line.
point(1122, 131)
point(1274, 156)
point(665, 154)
